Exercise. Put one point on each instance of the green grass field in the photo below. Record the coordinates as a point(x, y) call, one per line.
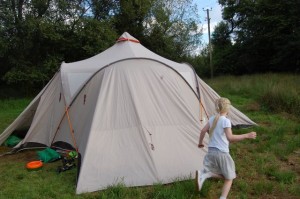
point(268, 167)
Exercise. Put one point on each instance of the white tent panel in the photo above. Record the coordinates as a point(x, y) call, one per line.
point(142, 104)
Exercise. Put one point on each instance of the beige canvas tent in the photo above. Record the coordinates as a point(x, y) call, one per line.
point(133, 116)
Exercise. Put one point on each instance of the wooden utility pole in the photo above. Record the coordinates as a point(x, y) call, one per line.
point(209, 43)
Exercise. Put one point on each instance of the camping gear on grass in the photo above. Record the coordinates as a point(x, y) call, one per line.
point(133, 116)
point(48, 155)
point(68, 163)
point(12, 141)
point(34, 165)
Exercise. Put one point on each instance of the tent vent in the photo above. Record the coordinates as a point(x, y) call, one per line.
point(84, 99)
point(127, 39)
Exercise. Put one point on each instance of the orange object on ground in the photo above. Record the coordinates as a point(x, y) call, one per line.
point(34, 164)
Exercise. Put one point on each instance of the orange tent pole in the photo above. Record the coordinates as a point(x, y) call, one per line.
point(71, 127)
point(201, 110)
point(70, 124)
point(201, 120)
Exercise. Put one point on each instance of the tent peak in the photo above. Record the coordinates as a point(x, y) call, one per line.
point(127, 37)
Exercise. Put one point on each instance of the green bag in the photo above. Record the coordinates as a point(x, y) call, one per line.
point(12, 141)
point(48, 155)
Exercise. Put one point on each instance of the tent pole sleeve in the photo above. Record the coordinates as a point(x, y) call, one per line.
point(202, 108)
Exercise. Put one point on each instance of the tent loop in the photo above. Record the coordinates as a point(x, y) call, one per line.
point(151, 143)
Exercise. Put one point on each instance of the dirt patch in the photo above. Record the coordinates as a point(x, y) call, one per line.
point(294, 161)
point(253, 106)
point(277, 197)
point(23, 156)
point(4, 149)
point(289, 116)
point(265, 123)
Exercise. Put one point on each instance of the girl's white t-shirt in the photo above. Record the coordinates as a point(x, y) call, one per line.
point(218, 138)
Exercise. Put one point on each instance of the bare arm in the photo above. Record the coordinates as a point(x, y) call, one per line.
point(235, 138)
point(202, 135)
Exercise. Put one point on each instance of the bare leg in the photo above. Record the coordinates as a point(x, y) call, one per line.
point(226, 188)
point(213, 175)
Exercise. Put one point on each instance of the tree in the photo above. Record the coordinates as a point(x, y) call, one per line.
point(38, 35)
point(131, 16)
point(266, 34)
point(172, 29)
point(104, 9)
point(222, 49)
point(200, 62)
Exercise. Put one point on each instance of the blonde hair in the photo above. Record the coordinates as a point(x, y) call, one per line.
point(222, 106)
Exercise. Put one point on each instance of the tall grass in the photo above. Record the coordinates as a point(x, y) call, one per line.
point(268, 167)
point(10, 109)
point(275, 92)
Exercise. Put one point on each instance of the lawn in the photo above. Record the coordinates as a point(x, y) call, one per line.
point(268, 167)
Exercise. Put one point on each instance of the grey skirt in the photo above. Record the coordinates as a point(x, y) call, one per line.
point(219, 162)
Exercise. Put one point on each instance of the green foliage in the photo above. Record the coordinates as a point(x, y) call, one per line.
point(266, 36)
point(37, 36)
point(200, 63)
point(243, 186)
point(222, 50)
point(279, 99)
point(131, 16)
point(104, 9)
point(278, 93)
point(10, 109)
point(263, 188)
point(23, 75)
point(286, 177)
point(171, 29)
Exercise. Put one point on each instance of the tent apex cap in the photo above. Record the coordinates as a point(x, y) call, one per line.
point(127, 37)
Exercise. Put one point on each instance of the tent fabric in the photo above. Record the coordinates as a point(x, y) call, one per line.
point(209, 97)
point(133, 116)
point(133, 98)
point(77, 73)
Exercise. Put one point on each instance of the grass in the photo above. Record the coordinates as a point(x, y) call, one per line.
point(268, 167)
point(10, 109)
point(274, 92)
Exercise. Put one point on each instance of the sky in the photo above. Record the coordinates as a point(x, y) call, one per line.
point(215, 15)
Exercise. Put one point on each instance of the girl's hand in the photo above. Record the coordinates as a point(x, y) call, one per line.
point(200, 145)
point(251, 135)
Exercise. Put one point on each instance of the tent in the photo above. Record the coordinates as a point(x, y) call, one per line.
point(133, 116)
